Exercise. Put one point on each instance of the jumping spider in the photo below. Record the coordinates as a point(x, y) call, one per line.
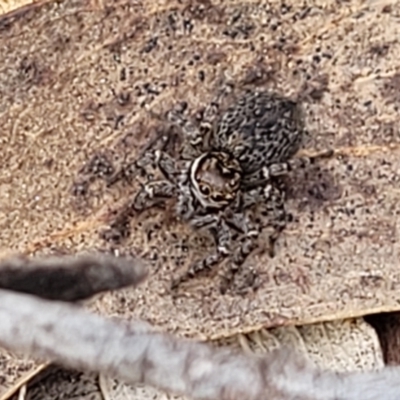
point(225, 171)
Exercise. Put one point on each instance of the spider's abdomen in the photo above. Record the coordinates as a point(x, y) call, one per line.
point(261, 128)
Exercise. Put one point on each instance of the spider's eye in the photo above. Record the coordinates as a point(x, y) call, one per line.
point(233, 183)
point(204, 189)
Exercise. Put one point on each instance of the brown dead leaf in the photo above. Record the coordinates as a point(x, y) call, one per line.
point(76, 78)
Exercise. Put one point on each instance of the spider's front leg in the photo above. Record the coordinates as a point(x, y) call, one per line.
point(153, 193)
point(168, 165)
point(131, 168)
point(222, 236)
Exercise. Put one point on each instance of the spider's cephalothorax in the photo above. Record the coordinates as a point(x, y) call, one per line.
point(215, 179)
point(222, 177)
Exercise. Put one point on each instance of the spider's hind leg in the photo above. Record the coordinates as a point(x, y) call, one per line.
point(239, 255)
point(222, 236)
point(273, 208)
point(250, 229)
point(213, 108)
point(282, 168)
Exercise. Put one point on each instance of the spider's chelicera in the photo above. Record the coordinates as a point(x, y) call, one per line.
point(223, 176)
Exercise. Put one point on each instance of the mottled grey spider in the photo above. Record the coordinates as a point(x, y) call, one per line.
point(222, 178)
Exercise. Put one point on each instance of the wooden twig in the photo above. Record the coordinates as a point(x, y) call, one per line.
point(69, 278)
point(137, 353)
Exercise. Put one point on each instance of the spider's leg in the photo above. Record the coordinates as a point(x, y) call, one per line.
point(213, 108)
point(153, 193)
point(185, 207)
point(129, 170)
point(273, 208)
point(251, 229)
point(191, 132)
point(271, 202)
point(250, 198)
point(207, 221)
point(222, 236)
point(147, 156)
point(167, 164)
point(159, 158)
point(242, 251)
point(247, 245)
point(282, 168)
